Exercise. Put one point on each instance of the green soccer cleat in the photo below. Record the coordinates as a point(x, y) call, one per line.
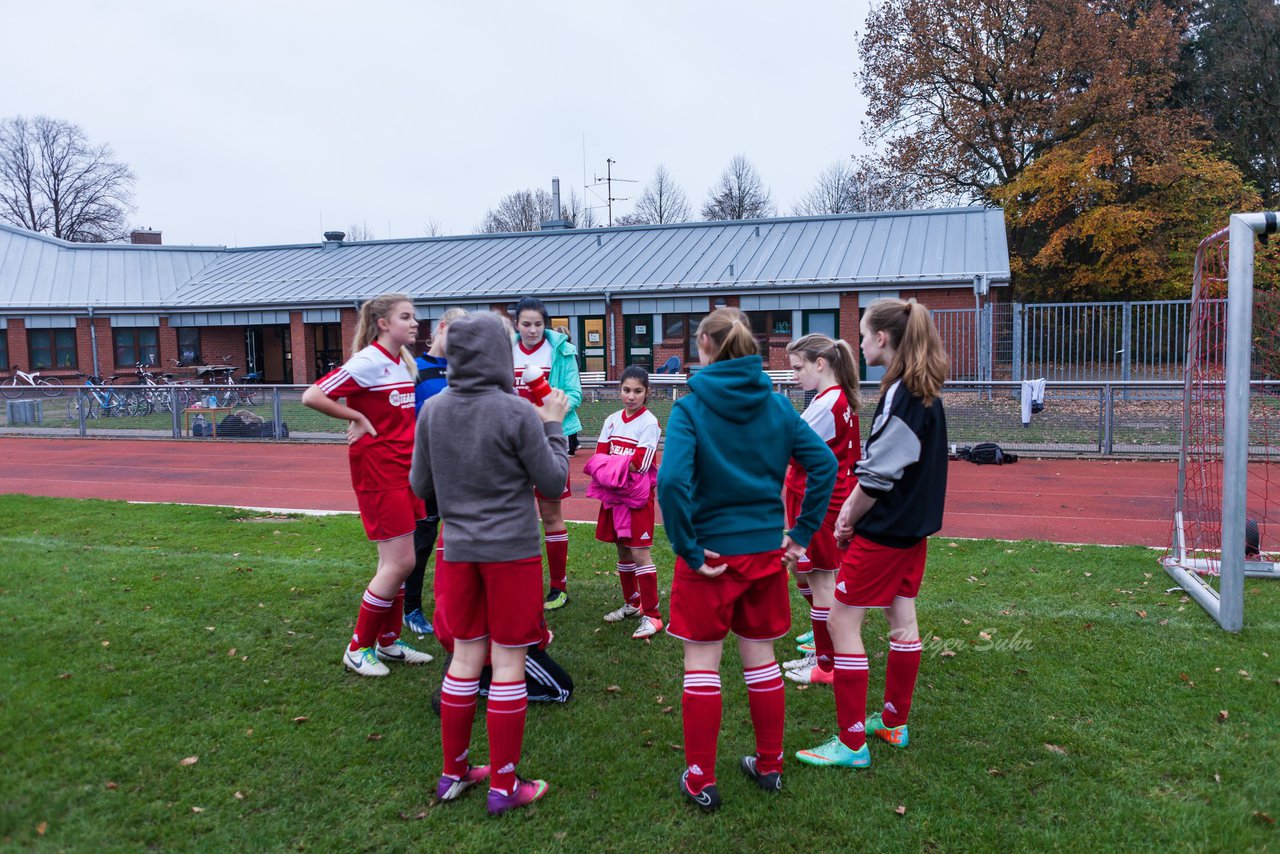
point(807, 637)
point(555, 599)
point(834, 753)
point(806, 648)
point(895, 735)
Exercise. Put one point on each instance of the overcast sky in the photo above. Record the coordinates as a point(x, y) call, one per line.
point(252, 122)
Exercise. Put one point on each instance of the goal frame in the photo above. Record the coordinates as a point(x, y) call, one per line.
point(1225, 604)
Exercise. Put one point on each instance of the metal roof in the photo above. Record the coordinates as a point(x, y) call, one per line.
point(792, 253)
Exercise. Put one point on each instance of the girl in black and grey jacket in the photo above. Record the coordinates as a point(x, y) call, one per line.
point(897, 504)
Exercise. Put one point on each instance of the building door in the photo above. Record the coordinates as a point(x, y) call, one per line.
point(639, 340)
point(591, 344)
point(326, 341)
point(269, 353)
point(822, 323)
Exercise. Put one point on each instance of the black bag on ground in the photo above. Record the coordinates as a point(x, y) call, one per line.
point(242, 424)
point(987, 454)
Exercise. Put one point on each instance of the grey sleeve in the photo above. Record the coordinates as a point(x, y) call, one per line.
point(420, 469)
point(544, 452)
point(894, 447)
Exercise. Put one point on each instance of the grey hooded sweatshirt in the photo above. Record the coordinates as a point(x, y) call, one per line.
point(479, 450)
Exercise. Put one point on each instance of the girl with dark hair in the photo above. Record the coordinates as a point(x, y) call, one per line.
point(377, 383)
point(886, 521)
point(537, 346)
point(623, 472)
point(728, 445)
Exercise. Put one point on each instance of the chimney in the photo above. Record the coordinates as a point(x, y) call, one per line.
point(557, 222)
point(333, 239)
point(145, 237)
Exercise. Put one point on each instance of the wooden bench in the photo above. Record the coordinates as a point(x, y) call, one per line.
point(591, 377)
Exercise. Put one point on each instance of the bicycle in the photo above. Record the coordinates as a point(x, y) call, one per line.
point(104, 401)
point(161, 398)
point(13, 388)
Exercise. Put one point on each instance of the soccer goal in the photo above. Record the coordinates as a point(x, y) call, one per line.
point(1226, 522)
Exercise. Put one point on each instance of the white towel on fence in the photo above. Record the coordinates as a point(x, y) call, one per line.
point(1032, 393)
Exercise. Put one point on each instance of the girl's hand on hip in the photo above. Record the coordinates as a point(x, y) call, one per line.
point(358, 429)
point(707, 568)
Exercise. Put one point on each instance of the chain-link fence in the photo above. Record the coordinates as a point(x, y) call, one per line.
point(1136, 418)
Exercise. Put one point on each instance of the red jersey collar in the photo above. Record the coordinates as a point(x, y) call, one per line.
point(527, 351)
point(641, 411)
point(395, 358)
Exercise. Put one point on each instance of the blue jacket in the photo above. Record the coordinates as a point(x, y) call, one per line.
point(431, 379)
point(726, 453)
point(564, 376)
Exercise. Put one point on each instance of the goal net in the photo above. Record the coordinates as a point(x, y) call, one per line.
point(1227, 513)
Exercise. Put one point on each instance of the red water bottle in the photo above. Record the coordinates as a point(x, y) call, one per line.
point(536, 382)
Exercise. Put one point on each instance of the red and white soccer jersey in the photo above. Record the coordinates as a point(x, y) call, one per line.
point(635, 437)
point(379, 386)
point(539, 357)
point(836, 423)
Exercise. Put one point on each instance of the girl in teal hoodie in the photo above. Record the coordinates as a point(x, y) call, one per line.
point(720, 488)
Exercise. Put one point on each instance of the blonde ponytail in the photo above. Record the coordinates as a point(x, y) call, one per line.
point(367, 327)
point(730, 334)
point(919, 358)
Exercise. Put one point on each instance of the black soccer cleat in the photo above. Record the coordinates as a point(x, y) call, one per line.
point(708, 800)
point(771, 782)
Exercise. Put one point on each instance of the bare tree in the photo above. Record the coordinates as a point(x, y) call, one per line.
point(360, 232)
point(53, 180)
point(432, 227)
point(527, 210)
point(740, 194)
point(863, 184)
point(660, 201)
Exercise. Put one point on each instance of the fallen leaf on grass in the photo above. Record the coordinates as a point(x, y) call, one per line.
point(985, 635)
point(374, 736)
point(1053, 748)
point(666, 710)
point(613, 689)
point(1142, 614)
point(112, 785)
point(106, 643)
point(197, 809)
point(190, 760)
point(301, 719)
point(900, 809)
point(947, 653)
point(1223, 715)
point(954, 545)
point(1088, 575)
point(676, 747)
point(44, 825)
point(1259, 815)
point(210, 628)
point(64, 675)
point(239, 796)
point(1184, 677)
point(249, 731)
point(1244, 673)
point(560, 835)
point(231, 653)
point(966, 622)
point(995, 772)
point(415, 817)
point(1217, 778)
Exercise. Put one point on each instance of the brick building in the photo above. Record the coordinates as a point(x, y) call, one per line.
point(627, 295)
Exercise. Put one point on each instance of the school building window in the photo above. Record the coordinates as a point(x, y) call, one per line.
point(682, 328)
point(4, 350)
point(189, 345)
point(52, 348)
point(136, 344)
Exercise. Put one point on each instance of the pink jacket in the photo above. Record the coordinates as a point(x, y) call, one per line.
point(619, 488)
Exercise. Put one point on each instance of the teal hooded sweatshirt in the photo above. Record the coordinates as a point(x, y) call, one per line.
point(726, 453)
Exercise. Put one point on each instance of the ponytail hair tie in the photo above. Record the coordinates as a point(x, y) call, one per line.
point(910, 302)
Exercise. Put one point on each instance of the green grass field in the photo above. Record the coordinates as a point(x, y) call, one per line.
point(1081, 707)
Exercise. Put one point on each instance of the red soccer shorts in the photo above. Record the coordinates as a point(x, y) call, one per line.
point(641, 527)
point(872, 575)
point(822, 551)
point(502, 601)
point(568, 491)
point(750, 599)
point(390, 513)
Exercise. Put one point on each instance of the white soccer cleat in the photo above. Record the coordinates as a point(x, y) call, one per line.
point(364, 662)
point(797, 663)
point(621, 614)
point(649, 626)
point(403, 653)
point(811, 675)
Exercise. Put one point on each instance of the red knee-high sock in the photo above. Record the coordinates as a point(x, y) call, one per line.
point(391, 623)
point(557, 543)
point(802, 580)
point(647, 581)
point(457, 713)
point(369, 621)
point(850, 686)
point(507, 704)
point(900, 680)
point(822, 646)
point(701, 707)
point(768, 714)
point(627, 578)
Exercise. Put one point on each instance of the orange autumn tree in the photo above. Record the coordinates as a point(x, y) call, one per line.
point(1061, 111)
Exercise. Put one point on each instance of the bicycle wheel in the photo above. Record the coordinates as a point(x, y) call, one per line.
point(94, 407)
point(141, 404)
point(11, 389)
point(52, 386)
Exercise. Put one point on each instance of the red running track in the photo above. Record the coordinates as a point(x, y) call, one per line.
point(1060, 500)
